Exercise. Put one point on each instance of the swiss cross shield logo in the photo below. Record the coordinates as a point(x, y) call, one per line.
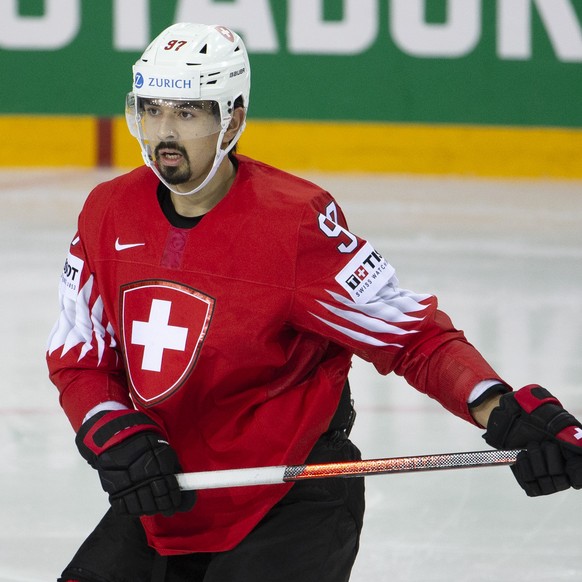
point(164, 325)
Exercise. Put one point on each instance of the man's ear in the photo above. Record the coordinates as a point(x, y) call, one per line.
point(238, 117)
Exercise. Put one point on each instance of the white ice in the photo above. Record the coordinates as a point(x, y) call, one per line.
point(505, 260)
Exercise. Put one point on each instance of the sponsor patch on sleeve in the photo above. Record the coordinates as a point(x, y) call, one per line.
point(365, 274)
point(71, 276)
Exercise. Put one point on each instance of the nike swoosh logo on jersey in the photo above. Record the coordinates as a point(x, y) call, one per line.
point(123, 247)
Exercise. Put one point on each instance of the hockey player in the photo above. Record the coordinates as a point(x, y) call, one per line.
point(210, 308)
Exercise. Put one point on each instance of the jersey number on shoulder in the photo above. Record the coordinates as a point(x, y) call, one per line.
point(329, 226)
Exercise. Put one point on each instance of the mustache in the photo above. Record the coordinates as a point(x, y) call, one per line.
point(171, 145)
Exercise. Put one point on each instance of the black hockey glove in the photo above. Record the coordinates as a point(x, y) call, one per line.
point(534, 420)
point(136, 465)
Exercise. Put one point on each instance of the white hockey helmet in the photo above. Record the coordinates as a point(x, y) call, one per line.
point(191, 62)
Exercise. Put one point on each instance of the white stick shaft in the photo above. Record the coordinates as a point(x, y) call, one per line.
point(232, 478)
point(283, 474)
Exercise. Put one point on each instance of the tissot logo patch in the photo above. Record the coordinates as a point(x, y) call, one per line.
point(365, 274)
point(71, 276)
point(164, 325)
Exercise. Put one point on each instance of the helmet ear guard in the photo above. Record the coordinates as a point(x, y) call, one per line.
point(131, 114)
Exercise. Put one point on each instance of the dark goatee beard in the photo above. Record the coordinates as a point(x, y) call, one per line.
point(173, 174)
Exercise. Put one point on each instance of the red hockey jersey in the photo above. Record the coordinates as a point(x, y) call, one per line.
point(236, 336)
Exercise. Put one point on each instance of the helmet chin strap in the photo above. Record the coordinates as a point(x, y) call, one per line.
point(220, 155)
point(218, 158)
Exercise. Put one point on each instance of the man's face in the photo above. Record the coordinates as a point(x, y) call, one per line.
point(182, 137)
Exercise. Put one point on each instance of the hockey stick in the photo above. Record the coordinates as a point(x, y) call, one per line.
point(286, 473)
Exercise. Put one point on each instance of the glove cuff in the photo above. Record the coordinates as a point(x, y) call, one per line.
point(109, 428)
point(501, 420)
point(531, 414)
point(531, 397)
point(553, 419)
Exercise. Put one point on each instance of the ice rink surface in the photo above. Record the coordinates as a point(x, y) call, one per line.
point(505, 260)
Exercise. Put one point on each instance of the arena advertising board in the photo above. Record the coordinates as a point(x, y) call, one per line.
point(491, 62)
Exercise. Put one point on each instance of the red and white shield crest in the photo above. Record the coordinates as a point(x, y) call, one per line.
point(163, 327)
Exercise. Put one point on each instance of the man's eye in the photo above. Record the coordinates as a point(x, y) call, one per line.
point(184, 114)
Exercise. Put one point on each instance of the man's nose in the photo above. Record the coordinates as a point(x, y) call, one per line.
point(167, 128)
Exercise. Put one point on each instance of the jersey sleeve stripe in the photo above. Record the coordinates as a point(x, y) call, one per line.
point(79, 323)
point(360, 337)
point(364, 321)
point(398, 310)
